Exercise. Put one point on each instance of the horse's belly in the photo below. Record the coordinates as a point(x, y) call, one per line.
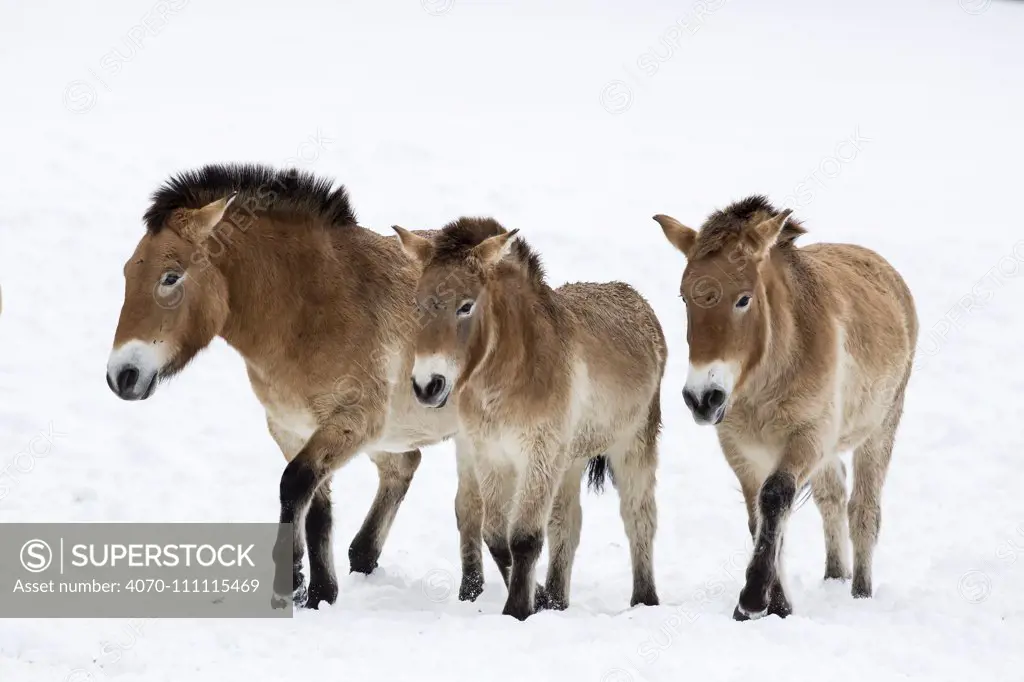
point(297, 421)
point(415, 428)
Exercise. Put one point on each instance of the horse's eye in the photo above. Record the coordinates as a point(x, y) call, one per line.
point(743, 302)
point(465, 309)
point(170, 279)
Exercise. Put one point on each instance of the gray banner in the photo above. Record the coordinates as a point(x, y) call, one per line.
point(126, 570)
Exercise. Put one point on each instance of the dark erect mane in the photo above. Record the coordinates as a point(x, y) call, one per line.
point(725, 225)
point(455, 240)
point(259, 188)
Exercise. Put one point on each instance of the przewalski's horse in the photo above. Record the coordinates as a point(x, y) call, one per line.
point(544, 380)
point(322, 312)
point(796, 354)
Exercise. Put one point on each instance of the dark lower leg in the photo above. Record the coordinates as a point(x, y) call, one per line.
point(774, 502)
point(502, 555)
point(395, 472)
point(525, 548)
point(323, 584)
point(298, 485)
point(778, 603)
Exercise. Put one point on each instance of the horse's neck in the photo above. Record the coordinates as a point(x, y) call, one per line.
point(781, 346)
point(263, 279)
point(513, 333)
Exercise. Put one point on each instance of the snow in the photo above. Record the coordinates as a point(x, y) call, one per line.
point(893, 125)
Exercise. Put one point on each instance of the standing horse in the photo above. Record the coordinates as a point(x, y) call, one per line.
point(545, 380)
point(796, 354)
point(321, 310)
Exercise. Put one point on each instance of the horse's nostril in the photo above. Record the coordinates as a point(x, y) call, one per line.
point(432, 390)
point(126, 379)
point(690, 399)
point(435, 386)
point(716, 398)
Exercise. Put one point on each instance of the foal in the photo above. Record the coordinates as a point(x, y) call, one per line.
point(321, 310)
point(796, 354)
point(544, 380)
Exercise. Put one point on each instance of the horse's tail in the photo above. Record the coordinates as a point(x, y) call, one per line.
point(597, 469)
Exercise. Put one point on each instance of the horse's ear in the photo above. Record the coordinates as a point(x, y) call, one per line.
point(199, 223)
point(491, 250)
point(682, 237)
point(415, 246)
point(766, 232)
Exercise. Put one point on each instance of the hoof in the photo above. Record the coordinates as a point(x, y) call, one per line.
point(362, 560)
point(323, 592)
point(778, 604)
point(752, 601)
point(519, 613)
point(554, 602)
point(472, 587)
point(298, 598)
point(861, 589)
point(741, 614)
point(834, 570)
point(541, 599)
point(650, 599)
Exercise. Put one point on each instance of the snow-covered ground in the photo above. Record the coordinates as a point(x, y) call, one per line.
point(894, 125)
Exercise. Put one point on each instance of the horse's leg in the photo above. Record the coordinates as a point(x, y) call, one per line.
point(564, 536)
point(750, 484)
point(323, 582)
point(323, 585)
point(497, 485)
point(828, 486)
point(545, 468)
point(775, 500)
point(469, 518)
point(778, 603)
point(635, 478)
point(394, 472)
point(497, 488)
point(332, 446)
point(870, 465)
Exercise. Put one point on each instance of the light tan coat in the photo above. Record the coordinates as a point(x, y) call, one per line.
point(796, 355)
point(545, 380)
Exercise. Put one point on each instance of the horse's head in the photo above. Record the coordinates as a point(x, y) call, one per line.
point(450, 297)
point(723, 288)
point(175, 301)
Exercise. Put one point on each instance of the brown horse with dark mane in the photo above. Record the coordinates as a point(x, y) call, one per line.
point(322, 311)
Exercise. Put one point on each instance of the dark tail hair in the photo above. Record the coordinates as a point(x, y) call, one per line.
point(597, 469)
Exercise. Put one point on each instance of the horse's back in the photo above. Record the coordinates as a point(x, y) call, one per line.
point(873, 302)
point(869, 274)
point(617, 333)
